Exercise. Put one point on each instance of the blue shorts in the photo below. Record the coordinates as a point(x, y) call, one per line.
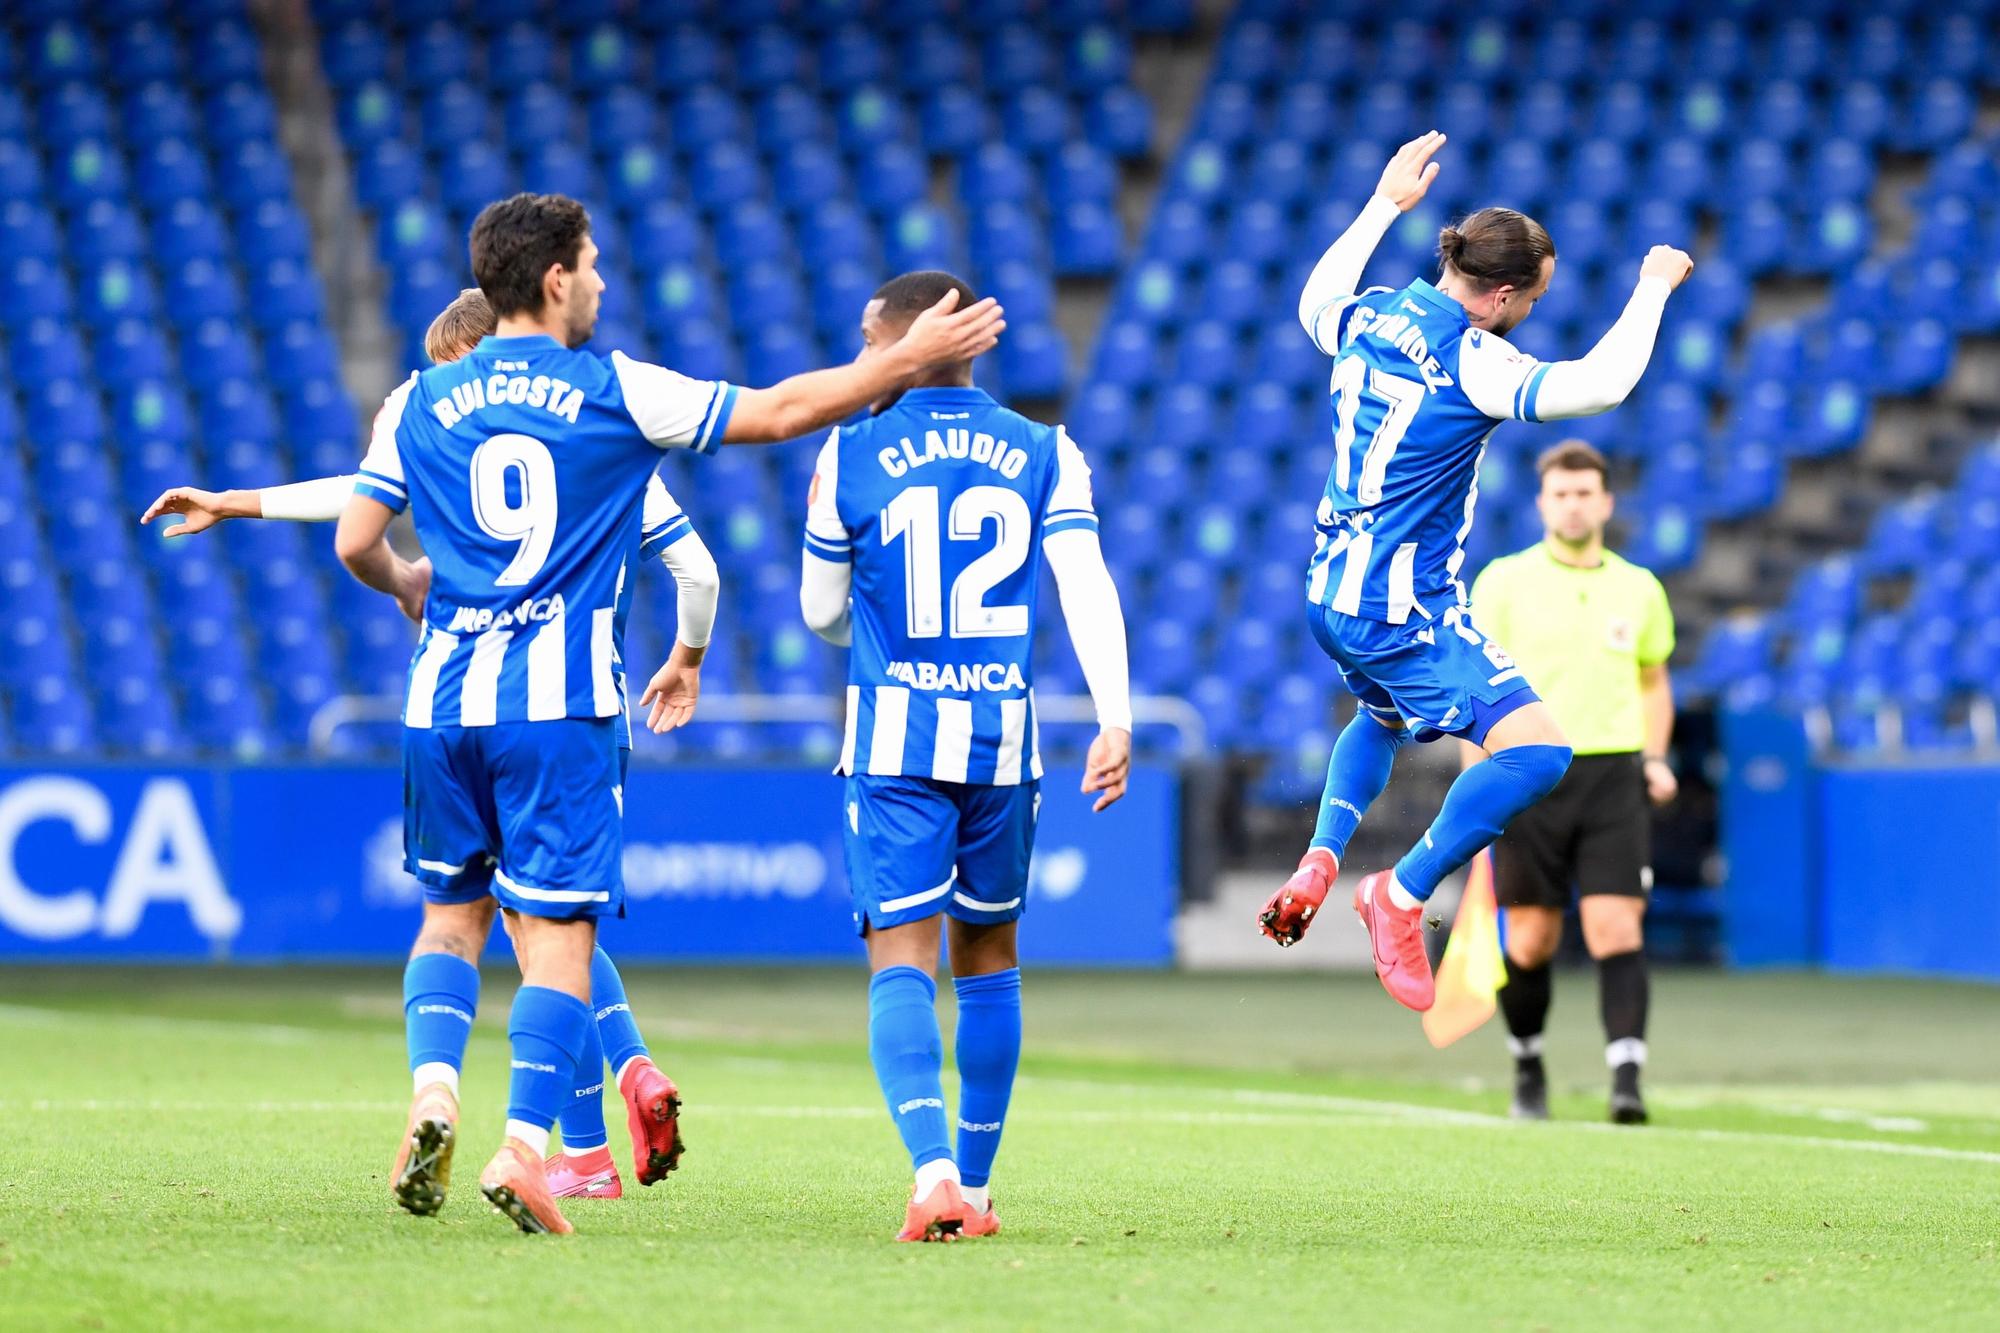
point(529, 813)
point(1441, 676)
point(917, 847)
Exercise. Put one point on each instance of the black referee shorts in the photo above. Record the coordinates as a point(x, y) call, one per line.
point(1593, 832)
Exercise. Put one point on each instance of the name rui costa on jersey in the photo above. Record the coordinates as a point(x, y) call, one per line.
point(556, 396)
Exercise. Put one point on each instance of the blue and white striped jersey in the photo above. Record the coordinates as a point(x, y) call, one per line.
point(1416, 393)
point(524, 466)
point(941, 504)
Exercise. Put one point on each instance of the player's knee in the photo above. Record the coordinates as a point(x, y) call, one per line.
point(1539, 767)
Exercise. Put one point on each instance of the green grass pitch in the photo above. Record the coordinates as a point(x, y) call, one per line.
point(206, 1149)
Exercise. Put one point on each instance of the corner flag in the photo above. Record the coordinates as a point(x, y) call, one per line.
point(1473, 968)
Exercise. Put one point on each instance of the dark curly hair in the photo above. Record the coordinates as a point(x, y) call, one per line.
point(514, 243)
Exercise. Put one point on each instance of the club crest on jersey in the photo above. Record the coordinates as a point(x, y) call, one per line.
point(963, 677)
point(1623, 635)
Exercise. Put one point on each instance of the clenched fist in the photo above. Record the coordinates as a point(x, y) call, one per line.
point(1663, 261)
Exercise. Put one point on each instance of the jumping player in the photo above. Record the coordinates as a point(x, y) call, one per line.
point(925, 533)
point(524, 466)
point(1421, 377)
point(441, 979)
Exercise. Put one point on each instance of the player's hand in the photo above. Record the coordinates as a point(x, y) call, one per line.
point(1410, 172)
point(199, 510)
point(1663, 261)
point(1108, 767)
point(1661, 784)
point(413, 585)
point(945, 334)
point(674, 690)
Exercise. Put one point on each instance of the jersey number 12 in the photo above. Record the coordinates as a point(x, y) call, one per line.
point(913, 516)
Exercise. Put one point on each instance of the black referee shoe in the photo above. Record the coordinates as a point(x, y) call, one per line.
point(1627, 1106)
point(1531, 1090)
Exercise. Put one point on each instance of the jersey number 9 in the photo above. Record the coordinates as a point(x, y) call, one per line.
point(913, 516)
point(530, 519)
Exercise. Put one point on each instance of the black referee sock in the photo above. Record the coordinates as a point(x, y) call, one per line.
point(1525, 1001)
point(1622, 993)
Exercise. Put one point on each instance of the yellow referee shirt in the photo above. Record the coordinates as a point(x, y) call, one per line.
point(1581, 636)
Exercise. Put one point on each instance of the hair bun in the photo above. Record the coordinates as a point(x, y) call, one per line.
point(1450, 242)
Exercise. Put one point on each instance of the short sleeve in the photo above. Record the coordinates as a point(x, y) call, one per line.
point(1070, 506)
point(1502, 381)
point(1656, 635)
point(826, 536)
point(662, 521)
point(381, 474)
point(671, 410)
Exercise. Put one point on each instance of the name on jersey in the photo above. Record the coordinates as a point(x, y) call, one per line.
point(558, 397)
point(529, 611)
point(980, 447)
point(1406, 336)
point(964, 677)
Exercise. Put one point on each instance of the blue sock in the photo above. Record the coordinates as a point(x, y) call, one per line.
point(619, 1030)
point(1480, 803)
point(989, 1050)
point(440, 996)
point(547, 1028)
point(1355, 776)
point(583, 1114)
point(908, 1052)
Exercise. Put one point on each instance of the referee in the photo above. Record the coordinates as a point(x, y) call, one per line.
point(1593, 632)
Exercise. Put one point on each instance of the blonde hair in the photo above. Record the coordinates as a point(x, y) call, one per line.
point(459, 326)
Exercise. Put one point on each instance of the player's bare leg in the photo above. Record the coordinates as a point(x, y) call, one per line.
point(422, 1171)
point(555, 957)
point(1533, 934)
point(906, 1049)
point(1614, 932)
point(985, 968)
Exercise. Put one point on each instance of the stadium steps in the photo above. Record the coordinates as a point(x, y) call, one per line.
point(1172, 71)
point(341, 254)
point(1826, 504)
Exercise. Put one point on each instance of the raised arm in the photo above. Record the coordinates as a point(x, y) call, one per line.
point(1337, 276)
point(817, 399)
point(1605, 376)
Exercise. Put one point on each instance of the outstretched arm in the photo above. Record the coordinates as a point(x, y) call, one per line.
point(1503, 383)
point(317, 501)
point(942, 335)
point(1605, 376)
point(1334, 280)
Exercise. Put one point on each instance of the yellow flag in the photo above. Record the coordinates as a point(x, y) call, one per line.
point(1473, 968)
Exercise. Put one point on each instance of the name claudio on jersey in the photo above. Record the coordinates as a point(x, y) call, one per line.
point(1004, 458)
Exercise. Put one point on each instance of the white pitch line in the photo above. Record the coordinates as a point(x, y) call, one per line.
point(1360, 1109)
point(779, 1112)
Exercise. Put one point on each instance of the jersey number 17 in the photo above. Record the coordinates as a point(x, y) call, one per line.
point(1399, 398)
